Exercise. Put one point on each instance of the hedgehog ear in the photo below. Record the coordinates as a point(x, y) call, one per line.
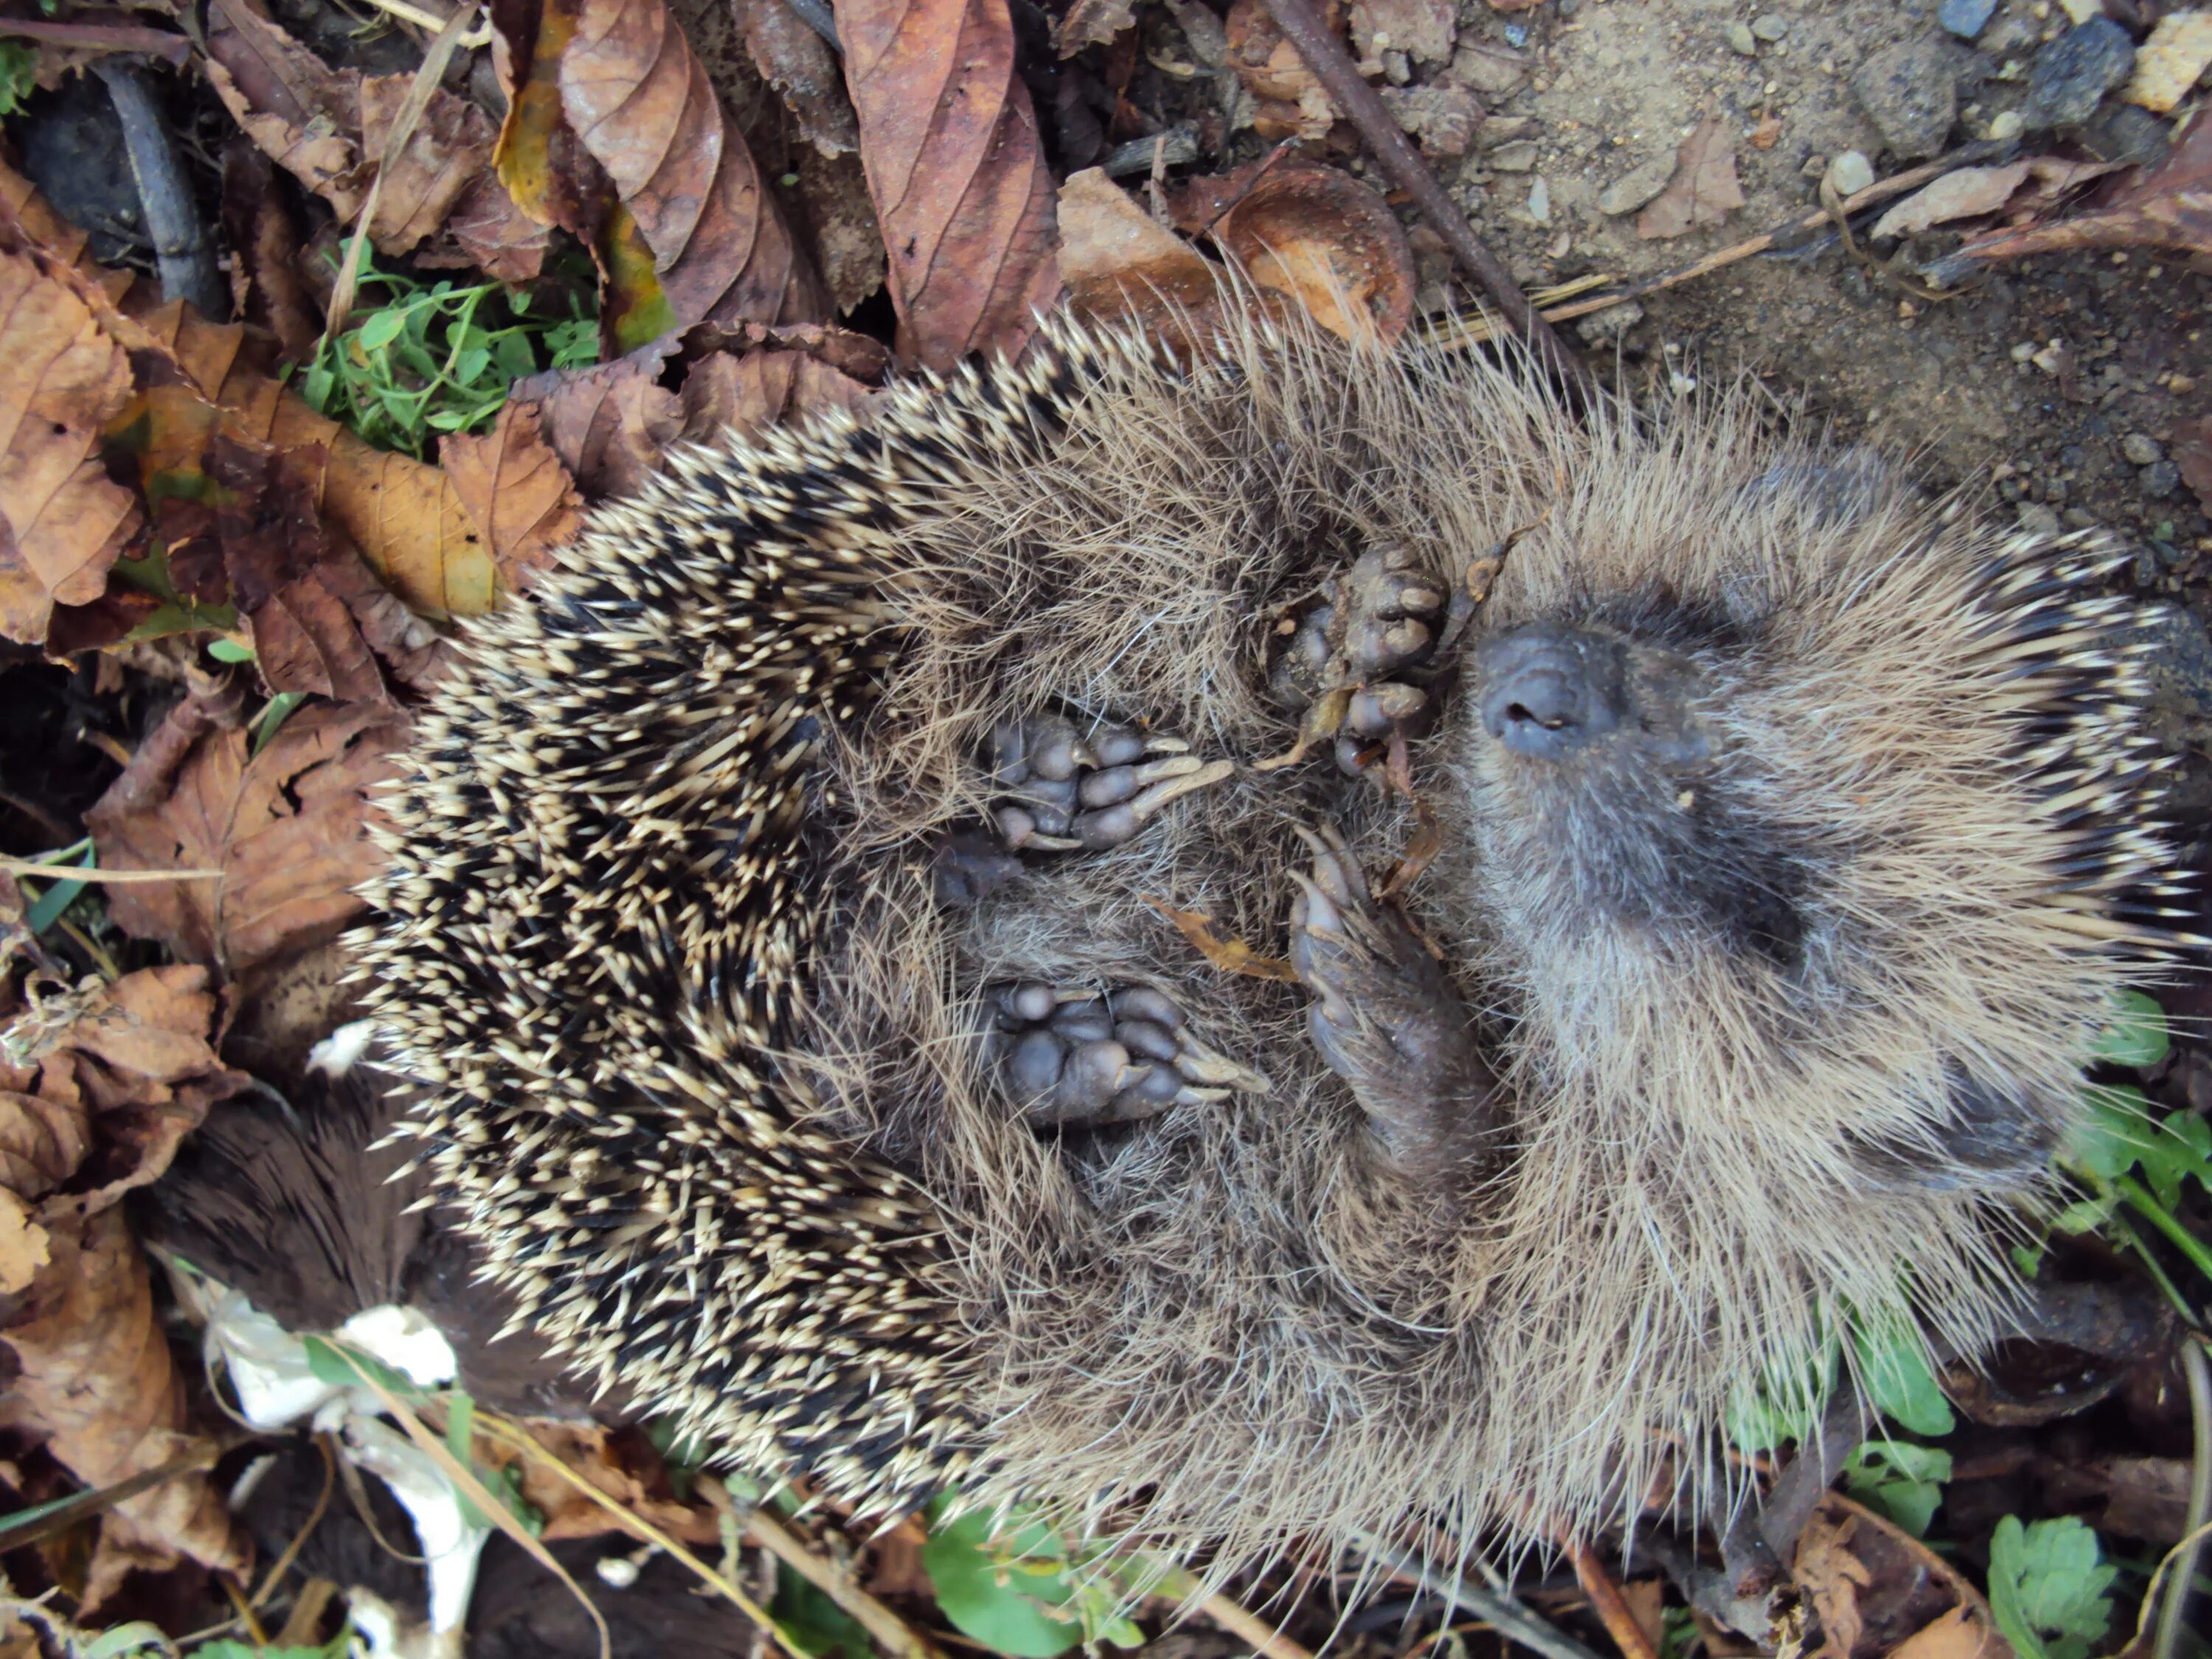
point(1991, 1132)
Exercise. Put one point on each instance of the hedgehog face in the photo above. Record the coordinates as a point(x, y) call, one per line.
point(1606, 776)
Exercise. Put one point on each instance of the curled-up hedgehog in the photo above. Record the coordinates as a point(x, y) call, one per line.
point(1262, 946)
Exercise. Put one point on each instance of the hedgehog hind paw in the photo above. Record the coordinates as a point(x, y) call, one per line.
point(1387, 1018)
point(1082, 1058)
point(1348, 665)
point(1068, 791)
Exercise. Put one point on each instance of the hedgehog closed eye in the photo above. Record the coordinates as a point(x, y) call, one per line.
point(1197, 1134)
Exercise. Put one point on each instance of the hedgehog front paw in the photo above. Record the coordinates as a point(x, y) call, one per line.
point(1078, 1058)
point(1387, 1018)
point(1068, 792)
point(1379, 619)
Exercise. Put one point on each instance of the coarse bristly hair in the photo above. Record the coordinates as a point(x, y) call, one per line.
point(698, 1046)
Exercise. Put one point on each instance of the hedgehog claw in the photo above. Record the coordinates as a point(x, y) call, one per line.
point(1074, 1059)
point(1386, 1018)
point(1073, 793)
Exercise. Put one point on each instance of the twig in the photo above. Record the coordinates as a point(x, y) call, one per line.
point(1362, 105)
point(2170, 1622)
point(507, 1434)
point(78, 872)
point(1608, 1603)
point(1226, 1611)
point(1508, 1617)
point(889, 1631)
point(47, 1519)
point(173, 49)
point(1881, 191)
point(182, 253)
point(435, 57)
point(422, 19)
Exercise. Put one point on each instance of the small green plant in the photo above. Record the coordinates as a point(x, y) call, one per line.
point(19, 74)
point(1898, 1480)
point(2047, 1584)
point(435, 357)
point(1019, 1590)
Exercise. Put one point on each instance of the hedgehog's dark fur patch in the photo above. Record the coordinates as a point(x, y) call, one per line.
point(1775, 1028)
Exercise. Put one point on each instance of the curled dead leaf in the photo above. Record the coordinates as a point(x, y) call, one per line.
point(1118, 262)
point(1703, 190)
point(1320, 237)
point(287, 826)
point(1970, 193)
point(1880, 1591)
point(305, 115)
point(1292, 102)
point(954, 161)
point(63, 521)
point(99, 1088)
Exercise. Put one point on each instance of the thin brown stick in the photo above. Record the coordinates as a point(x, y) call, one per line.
point(107, 877)
point(888, 1631)
point(1362, 105)
point(1608, 1603)
point(101, 37)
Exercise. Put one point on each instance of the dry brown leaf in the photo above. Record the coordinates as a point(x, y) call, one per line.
point(305, 115)
point(1092, 23)
point(1703, 190)
point(1877, 1589)
point(265, 279)
point(1292, 102)
point(287, 826)
point(746, 395)
point(798, 63)
point(449, 150)
point(99, 1383)
point(62, 522)
point(608, 424)
point(109, 1081)
point(638, 97)
point(2169, 206)
point(613, 1462)
point(522, 499)
point(950, 142)
point(1118, 262)
point(1831, 1577)
point(487, 231)
point(1322, 239)
point(1971, 192)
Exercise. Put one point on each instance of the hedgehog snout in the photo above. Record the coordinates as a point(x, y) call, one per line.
point(1548, 689)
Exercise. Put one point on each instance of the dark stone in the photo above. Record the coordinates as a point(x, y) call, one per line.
point(1965, 18)
point(2127, 133)
point(1909, 92)
point(2160, 479)
point(2073, 73)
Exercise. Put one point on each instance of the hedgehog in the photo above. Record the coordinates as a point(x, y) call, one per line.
point(1266, 942)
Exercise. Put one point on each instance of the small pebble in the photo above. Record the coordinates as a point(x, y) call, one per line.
point(1741, 39)
point(1850, 173)
point(1965, 18)
point(2128, 134)
point(1636, 186)
point(1540, 203)
point(2073, 73)
point(1769, 27)
point(2141, 449)
point(2005, 125)
point(1519, 156)
point(1909, 92)
point(2036, 519)
point(2159, 480)
point(2171, 60)
point(1605, 328)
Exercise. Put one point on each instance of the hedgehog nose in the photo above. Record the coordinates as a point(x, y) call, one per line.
point(1546, 690)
